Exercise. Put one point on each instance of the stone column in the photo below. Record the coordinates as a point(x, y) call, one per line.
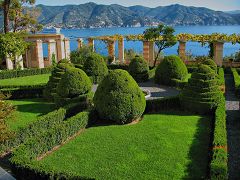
point(9, 64)
point(151, 52)
point(39, 54)
point(19, 61)
point(52, 50)
point(111, 49)
point(60, 48)
point(182, 50)
point(91, 43)
point(146, 50)
point(67, 48)
point(121, 50)
point(80, 43)
point(218, 53)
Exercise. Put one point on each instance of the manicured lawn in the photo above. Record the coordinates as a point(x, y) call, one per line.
point(27, 80)
point(27, 111)
point(162, 146)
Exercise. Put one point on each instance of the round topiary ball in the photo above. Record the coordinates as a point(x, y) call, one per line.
point(202, 93)
point(138, 68)
point(118, 98)
point(211, 64)
point(74, 83)
point(172, 67)
point(95, 67)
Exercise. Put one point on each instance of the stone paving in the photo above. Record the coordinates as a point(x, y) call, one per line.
point(157, 91)
point(233, 129)
point(4, 175)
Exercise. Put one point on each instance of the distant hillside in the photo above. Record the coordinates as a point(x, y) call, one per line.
point(93, 15)
point(233, 12)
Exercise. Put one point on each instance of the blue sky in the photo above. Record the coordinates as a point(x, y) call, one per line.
point(224, 5)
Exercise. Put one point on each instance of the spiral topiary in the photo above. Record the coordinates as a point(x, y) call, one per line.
point(118, 98)
point(138, 68)
point(50, 90)
point(202, 92)
point(211, 64)
point(95, 67)
point(170, 69)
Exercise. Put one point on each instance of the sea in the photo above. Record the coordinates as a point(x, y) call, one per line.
point(192, 48)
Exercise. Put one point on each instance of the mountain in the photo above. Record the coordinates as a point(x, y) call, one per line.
point(233, 12)
point(94, 15)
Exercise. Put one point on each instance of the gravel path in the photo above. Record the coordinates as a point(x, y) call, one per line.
point(233, 129)
point(157, 91)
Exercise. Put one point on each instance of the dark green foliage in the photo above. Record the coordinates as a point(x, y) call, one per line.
point(236, 81)
point(8, 74)
point(170, 68)
point(211, 64)
point(219, 165)
point(95, 67)
point(118, 98)
point(79, 56)
point(139, 70)
point(58, 71)
point(165, 104)
point(221, 79)
point(117, 66)
point(202, 92)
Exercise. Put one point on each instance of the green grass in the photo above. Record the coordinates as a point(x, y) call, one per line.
point(27, 111)
point(159, 147)
point(27, 80)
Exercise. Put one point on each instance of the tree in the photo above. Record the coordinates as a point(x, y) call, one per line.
point(12, 45)
point(155, 33)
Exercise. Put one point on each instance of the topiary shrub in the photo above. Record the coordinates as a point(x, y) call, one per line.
point(79, 56)
point(139, 70)
point(202, 93)
point(118, 98)
point(211, 64)
point(50, 90)
point(95, 67)
point(169, 69)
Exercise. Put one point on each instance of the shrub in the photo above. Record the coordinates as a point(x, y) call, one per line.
point(211, 64)
point(202, 92)
point(58, 71)
point(118, 98)
point(95, 67)
point(170, 68)
point(236, 81)
point(138, 68)
point(79, 56)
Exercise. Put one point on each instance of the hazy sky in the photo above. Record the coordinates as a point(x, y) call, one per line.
point(223, 5)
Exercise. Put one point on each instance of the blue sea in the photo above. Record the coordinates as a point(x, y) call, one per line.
point(193, 48)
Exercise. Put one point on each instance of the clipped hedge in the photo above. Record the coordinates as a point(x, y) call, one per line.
point(236, 81)
point(139, 70)
point(211, 64)
point(118, 66)
point(118, 98)
point(219, 165)
point(24, 158)
point(95, 67)
point(172, 67)
point(7, 74)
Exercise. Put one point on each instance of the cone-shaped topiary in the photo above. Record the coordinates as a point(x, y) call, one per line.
point(211, 64)
point(202, 92)
point(50, 90)
point(118, 98)
point(95, 67)
point(170, 69)
point(138, 68)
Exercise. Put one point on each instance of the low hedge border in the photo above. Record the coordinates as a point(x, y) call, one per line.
point(236, 81)
point(219, 165)
point(8, 74)
point(24, 158)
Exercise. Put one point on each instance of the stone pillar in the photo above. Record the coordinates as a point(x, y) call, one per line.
point(67, 48)
point(111, 49)
point(91, 43)
point(39, 54)
point(121, 50)
point(60, 48)
point(218, 53)
point(182, 50)
point(52, 50)
point(19, 61)
point(146, 50)
point(151, 52)
point(9, 64)
point(80, 43)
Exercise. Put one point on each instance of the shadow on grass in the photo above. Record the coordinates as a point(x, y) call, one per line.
point(199, 153)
